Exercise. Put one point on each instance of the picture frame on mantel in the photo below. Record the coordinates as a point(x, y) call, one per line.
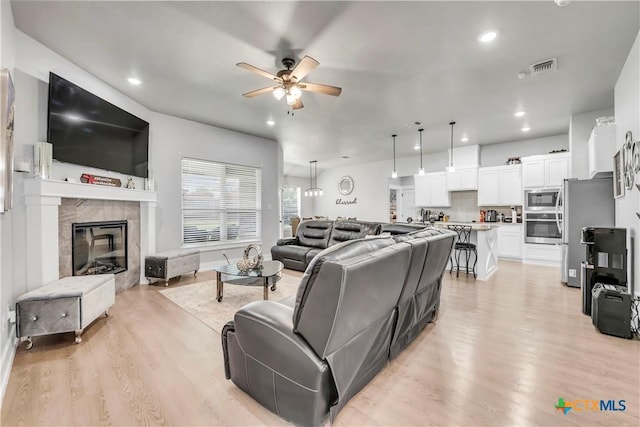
point(618, 175)
point(7, 111)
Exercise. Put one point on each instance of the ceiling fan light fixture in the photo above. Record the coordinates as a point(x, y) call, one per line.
point(278, 93)
point(291, 100)
point(295, 91)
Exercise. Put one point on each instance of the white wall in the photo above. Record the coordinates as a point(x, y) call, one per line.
point(579, 132)
point(174, 138)
point(7, 287)
point(627, 114)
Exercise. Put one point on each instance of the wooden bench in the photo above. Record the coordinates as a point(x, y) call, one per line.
point(66, 305)
point(166, 265)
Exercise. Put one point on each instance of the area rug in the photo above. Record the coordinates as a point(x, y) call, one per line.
point(199, 299)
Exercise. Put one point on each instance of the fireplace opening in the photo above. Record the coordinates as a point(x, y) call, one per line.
point(99, 247)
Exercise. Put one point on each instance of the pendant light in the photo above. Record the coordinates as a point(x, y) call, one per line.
point(421, 171)
point(394, 174)
point(451, 168)
point(313, 189)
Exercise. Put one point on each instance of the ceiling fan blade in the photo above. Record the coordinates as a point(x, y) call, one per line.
point(258, 92)
point(303, 68)
point(298, 105)
point(319, 88)
point(257, 70)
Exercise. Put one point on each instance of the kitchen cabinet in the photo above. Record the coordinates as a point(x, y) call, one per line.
point(510, 241)
point(535, 253)
point(431, 190)
point(462, 179)
point(601, 150)
point(500, 186)
point(548, 170)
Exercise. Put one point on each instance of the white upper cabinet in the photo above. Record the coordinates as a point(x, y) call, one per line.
point(431, 190)
point(548, 170)
point(462, 179)
point(601, 149)
point(500, 186)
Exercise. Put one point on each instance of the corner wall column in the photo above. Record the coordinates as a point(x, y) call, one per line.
point(147, 235)
point(42, 240)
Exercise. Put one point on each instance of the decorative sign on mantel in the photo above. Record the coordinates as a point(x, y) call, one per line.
point(100, 180)
point(347, 202)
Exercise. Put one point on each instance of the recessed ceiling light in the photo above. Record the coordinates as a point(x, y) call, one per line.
point(526, 128)
point(416, 147)
point(134, 81)
point(519, 113)
point(488, 36)
point(562, 3)
point(271, 122)
point(464, 139)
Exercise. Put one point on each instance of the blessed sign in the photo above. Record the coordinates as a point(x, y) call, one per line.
point(100, 180)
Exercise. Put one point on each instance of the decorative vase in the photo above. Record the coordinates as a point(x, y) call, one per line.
point(247, 263)
point(42, 159)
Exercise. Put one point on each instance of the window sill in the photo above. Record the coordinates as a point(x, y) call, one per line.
point(213, 246)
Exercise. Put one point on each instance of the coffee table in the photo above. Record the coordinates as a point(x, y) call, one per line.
point(267, 276)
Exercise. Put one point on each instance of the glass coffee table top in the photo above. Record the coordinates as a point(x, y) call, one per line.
point(269, 268)
point(267, 276)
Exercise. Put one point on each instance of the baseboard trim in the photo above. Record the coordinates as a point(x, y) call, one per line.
point(8, 355)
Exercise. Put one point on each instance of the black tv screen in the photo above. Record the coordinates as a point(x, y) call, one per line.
point(87, 130)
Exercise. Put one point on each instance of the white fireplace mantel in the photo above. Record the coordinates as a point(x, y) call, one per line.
point(42, 198)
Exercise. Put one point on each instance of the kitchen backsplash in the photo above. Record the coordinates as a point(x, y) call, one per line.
point(464, 207)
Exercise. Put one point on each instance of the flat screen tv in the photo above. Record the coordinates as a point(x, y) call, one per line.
point(87, 130)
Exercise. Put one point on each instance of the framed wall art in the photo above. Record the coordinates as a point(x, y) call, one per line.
point(7, 100)
point(618, 175)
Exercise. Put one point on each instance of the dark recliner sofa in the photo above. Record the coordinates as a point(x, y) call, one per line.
point(315, 235)
point(358, 305)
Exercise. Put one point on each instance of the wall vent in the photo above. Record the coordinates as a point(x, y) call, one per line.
point(544, 66)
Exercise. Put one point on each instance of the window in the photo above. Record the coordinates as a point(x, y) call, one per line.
point(220, 202)
point(290, 204)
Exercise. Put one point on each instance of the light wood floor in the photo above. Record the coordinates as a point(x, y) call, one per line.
point(501, 353)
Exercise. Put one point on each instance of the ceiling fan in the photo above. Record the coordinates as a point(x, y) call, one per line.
point(288, 81)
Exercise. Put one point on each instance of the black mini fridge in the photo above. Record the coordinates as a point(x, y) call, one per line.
point(606, 261)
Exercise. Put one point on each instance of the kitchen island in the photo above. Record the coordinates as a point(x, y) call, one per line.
point(485, 237)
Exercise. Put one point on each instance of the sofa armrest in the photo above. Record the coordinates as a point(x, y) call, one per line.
point(274, 365)
point(264, 330)
point(287, 241)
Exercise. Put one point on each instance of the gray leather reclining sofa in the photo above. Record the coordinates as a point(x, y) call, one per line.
point(359, 304)
point(315, 235)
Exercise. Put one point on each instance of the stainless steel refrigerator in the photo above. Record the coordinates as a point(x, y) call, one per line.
point(585, 203)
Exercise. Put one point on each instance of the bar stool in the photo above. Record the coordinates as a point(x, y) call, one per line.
point(463, 244)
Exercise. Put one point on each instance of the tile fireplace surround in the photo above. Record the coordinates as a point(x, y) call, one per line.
point(43, 199)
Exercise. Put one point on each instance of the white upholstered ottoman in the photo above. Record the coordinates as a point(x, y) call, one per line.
point(66, 305)
point(165, 265)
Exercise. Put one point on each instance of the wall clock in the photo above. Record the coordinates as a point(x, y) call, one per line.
point(345, 185)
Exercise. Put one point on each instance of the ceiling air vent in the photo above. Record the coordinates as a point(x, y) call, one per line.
point(543, 66)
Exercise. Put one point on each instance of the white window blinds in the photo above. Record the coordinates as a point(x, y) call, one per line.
point(220, 202)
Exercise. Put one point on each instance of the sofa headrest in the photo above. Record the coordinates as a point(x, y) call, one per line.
point(346, 288)
point(401, 228)
point(314, 233)
point(425, 232)
point(350, 230)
